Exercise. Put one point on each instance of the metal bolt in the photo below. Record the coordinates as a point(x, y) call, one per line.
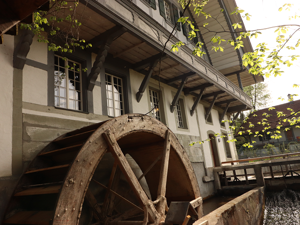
point(67, 185)
point(58, 215)
point(77, 160)
point(90, 163)
point(66, 209)
point(73, 209)
point(81, 183)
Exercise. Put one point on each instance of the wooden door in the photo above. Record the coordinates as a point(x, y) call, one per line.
point(289, 135)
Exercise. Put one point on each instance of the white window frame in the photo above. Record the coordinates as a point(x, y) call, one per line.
point(225, 143)
point(114, 108)
point(154, 112)
point(180, 109)
point(168, 5)
point(67, 84)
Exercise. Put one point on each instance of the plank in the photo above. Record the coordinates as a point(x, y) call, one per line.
point(129, 174)
point(40, 191)
point(47, 169)
point(31, 217)
point(164, 173)
point(196, 202)
point(61, 150)
point(76, 136)
point(93, 203)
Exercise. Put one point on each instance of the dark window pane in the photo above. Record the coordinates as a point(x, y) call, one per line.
point(56, 60)
point(61, 62)
point(71, 75)
point(115, 80)
point(77, 86)
point(77, 77)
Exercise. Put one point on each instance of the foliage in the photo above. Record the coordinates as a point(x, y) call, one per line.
point(259, 94)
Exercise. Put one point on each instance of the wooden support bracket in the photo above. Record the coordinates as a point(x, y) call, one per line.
point(176, 97)
point(197, 101)
point(224, 112)
point(211, 106)
point(146, 80)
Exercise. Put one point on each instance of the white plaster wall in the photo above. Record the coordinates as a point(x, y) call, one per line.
point(35, 85)
point(192, 123)
point(38, 51)
point(97, 100)
point(6, 105)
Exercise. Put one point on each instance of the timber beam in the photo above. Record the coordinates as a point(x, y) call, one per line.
point(226, 101)
point(197, 101)
point(108, 38)
point(146, 62)
point(224, 112)
point(237, 108)
point(172, 80)
point(211, 106)
point(22, 50)
point(200, 87)
point(176, 97)
point(212, 94)
point(146, 80)
point(240, 81)
point(129, 49)
point(235, 72)
point(111, 33)
point(170, 67)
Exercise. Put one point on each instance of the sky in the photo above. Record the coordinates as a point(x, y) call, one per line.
point(265, 14)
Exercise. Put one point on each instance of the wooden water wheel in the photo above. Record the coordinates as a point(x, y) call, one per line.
point(126, 170)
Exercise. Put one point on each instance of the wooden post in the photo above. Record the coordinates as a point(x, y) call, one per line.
point(271, 171)
point(246, 176)
point(226, 181)
point(161, 192)
point(130, 176)
point(217, 181)
point(260, 180)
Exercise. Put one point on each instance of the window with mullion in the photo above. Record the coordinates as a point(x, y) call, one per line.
point(114, 95)
point(67, 84)
point(180, 115)
point(154, 104)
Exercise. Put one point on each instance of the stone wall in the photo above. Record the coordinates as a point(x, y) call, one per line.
point(246, 209)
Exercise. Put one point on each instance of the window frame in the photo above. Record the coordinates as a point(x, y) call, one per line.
point(225, 143)
point(66, 61)
point(113, 96)
point(160, 103)
point(180, 103)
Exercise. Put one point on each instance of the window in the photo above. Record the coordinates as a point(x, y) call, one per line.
point(180, 115)
point(68, 82)
point(264, 136)
point(227, 146)
point(209, 119)
point(169, 12)
point(155, 104)
point(114, 95)
point(151, 3)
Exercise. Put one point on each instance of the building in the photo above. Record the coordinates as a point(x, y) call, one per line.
point(41, 99)
point(260, 137)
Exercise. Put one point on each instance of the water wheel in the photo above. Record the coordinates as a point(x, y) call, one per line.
point(126, 170)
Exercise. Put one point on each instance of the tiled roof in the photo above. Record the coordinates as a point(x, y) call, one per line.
point(271, 117)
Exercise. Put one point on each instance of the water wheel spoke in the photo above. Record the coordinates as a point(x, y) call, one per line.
point(112, 184)
point(130, 176)
point(161, 192)
point(93, 203)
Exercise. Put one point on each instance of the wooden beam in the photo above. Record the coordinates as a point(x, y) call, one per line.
point(129, 174)
point(226, 101)
point(93, 203)
point(150, 167)
point(235, 72)
point(172, 80)
point(176, 97)
point(224, 112)
point(237, 108)
point(147, 62)
point(240, 81)
point(197, 101)
point(22, 50)
point(211, 106)
point(105, 41)
point(112, 33)
point(146, 80)
point(188, 90)
point(120, 196)
point(213, 94)
point(162, 185)
point(170, 67)
point(129, 49)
